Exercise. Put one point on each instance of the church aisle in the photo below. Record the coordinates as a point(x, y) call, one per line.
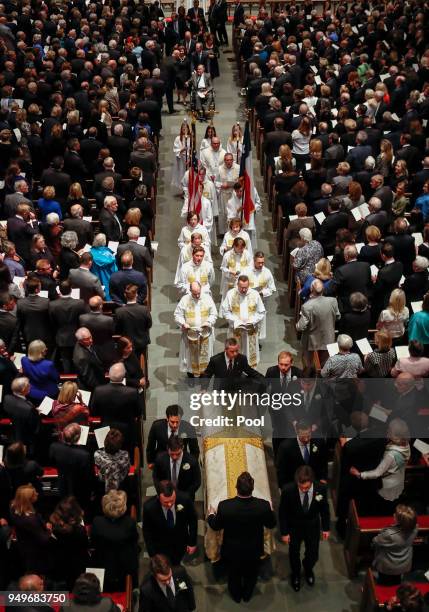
point(333, 591)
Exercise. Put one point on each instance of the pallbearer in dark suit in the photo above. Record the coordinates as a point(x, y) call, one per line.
point(166, 589)
point(178, 466)
point(170, 524)
point(229, 368)
point(279, 379)
point(163, 429)
point(303, 513)
point(243, 519)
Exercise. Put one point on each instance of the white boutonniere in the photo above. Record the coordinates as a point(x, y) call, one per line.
point(318, 396)
point(314, 448)
point(319, 497)
point(179, 508)
point(182, 586)
point(294, 378)
point(184, 435)
point(186, 466)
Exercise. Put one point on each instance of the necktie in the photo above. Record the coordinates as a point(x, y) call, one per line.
point(230, 366)
point(174, 473)
point(283, 382)
point(306, 454)
point(305, 503)
point(170, 518)
point(170, 595)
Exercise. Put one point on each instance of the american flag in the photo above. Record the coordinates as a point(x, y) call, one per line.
point(246, 175)
point(194, 199)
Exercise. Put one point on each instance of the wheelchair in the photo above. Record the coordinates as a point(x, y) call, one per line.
point(202, 108)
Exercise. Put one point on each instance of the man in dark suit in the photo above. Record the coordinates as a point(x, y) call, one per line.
point(279, 379)
point(166, 589)
point(200, 58)
point(335, 220)
point(194, 14)
point(170, 524)
point(74, 464)
point(109, 170)
point(353, 276)
point(133, 320)
point(73, 163)
point(120, 149)
point(242, 519)
point(303, 512)
point(358, 154)
point(8, 322)
point(416, 285)
point(127, 276)
point(388, 279)
point(89, 149)
point(179, 466)
point(409, 153)
point(33, 316)
point(173, 425)
point(59, 180)
point(88, 365)
point(117, 405)
point(229, 367)
point(109, 221)
point(76, 223)
point(403, 244)
point(20, 230)
point(301, 450)
point(142, 259)
point(274, 140)
point(24, 416)
point(64, 314)
point(102, 328)
point(81, 278)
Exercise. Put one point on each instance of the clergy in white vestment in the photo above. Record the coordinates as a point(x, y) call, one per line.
point(196, 270)
point(234, 208)
point(193, 225)
point(261, 279)
point(227, 177)
point(235, 231)
point(182, 155)
point(244, 310)
point(233, 263)
point(212, 157)
point(186, 253)
point(196, 315)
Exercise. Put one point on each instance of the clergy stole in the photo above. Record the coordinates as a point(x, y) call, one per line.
point(248, 338)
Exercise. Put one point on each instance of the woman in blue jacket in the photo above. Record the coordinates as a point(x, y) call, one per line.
point(41, 372)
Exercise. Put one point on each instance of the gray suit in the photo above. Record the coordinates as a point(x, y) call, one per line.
point(141, 255)
point(393, 550)
point(317, 322)
point(87, 282)
point(11, 201)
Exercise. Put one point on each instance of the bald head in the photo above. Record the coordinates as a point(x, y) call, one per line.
point(117, 372)
point(31, 582)
point(96, 303)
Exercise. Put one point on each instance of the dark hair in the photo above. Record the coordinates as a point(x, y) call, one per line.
point(303, 425)
point(335, 203)
point(131, 291)
point(416, 348)
point(174, 443)
point(65, 287)
point(122, 343)
point(388, 250)
point(86, 258)
point(113, 441)
point(406, 517)
point(425, 305)
point(166, 488)
point(32, 284)
point(66, 515)
point(5, 278)
point(159, 564)
point(231, 342)
point(304, 474)
point(258, 254)
point(87, 589)
point(173, 410)
point(245, 484)
point(409, 597)
point(4, 299)
point(15, 455)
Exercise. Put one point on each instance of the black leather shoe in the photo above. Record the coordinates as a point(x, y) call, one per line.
point(296, 583)
point(309, 577)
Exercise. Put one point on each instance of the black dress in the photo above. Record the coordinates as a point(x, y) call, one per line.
point(70, 554)
point(213, 61)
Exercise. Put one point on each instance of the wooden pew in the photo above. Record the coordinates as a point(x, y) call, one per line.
point(360, 530)
point(374, 596)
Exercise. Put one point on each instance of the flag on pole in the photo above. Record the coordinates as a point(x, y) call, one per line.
point(194, 199)
point(246, 175)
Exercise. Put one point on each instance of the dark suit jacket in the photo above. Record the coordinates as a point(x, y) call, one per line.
point(134, 321)
point(171, 542)
point(82, 228)
point(405, 250)
point(101, 326)
point(189, 478)
point(60, 180)
point(280, 418)
point(273, 142)
point(98, 179)
point(87, 282)
point(243, 520)
point(387, 279)
point(197, 59)
point(64, 314)
point(118, 406)
point(120, 279)
point(328, 230)
point(289, 459)
point(291, 515)
point(89, 368)
point(152, 598)
point(142, 259)
point(158, 438)
point(9, 330)
point(415, 286)
point(25, 418)
point(109, 226)
point(351, 277)
point(120, 151)
point(89, 150)
point(74, 469)
point(217, 367)
point(33, 319)
point(21, 233)
point(73, 165)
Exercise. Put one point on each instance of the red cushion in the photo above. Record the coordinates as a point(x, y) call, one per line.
point(384, 593)
point(50, 471)
point(4, 422)
point(117, 598)
point(377, 523)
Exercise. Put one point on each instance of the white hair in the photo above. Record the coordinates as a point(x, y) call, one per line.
point(117, 372)
point(305, 234)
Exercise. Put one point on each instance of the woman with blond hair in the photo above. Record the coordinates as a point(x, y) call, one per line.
point(76, 196)
point(394, 318)
point(383, 163)
point(284, 157)
point(33, 535)
point(48, 204)
point(301, 143)
point(105, 116)
point(234, 143)
point(41, 372)
point(379, 363)
point(371, 251)
point(323, 272)
point(69, 407)
point(115, 540)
